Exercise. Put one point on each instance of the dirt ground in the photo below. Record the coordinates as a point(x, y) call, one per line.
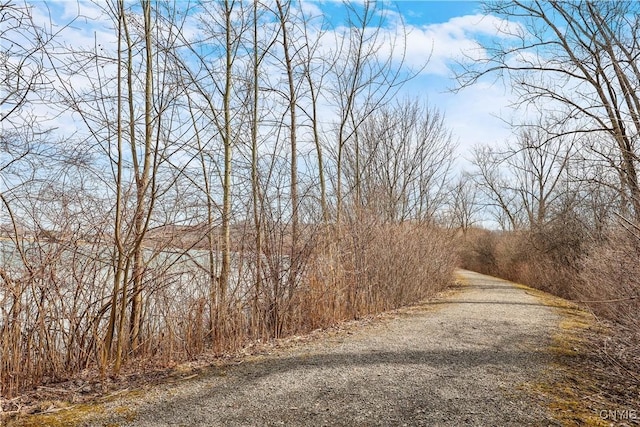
point(479, 356)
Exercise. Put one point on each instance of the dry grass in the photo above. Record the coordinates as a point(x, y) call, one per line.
point(580, 387)
point(598, 353)
point(340, 275)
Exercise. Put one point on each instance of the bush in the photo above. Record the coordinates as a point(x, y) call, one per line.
point(52, 324)
point(547, 257)
point(368, 268)
point(611, 279)
point(477, 250)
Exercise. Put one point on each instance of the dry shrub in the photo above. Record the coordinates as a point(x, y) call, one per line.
point(369, 268)
point(47, 312)
point(611, 279)
point(561, 259)
point(543, 259)
point(53, 324)
point(406, 263)
point(611, 289)
point(477, 250)
point(547, 257)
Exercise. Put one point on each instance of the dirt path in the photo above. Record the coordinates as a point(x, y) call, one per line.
point(461, 360)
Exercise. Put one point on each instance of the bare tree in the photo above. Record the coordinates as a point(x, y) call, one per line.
point(401, 164)
point(576, 59)
point(523, 182)
point(210, 72)
point(465, 205)
point(255, 182)
point(363, 79)
point(317, 67)
point(539, 166)
point(124, 111)
point(287, 49)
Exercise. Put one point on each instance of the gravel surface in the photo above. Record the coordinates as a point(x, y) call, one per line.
point(459, 360)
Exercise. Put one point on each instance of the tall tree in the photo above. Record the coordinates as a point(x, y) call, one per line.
point(400, 166)
point(288, 51)
point(317, 67)
point(211, 74)
point(578, 60)
point(464, 207)
point(524, 180)
point(364, 79)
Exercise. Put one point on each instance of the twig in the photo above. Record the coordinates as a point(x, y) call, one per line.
point(616, 362)
point(608, 300)
point(54, 410)
point(630, 224)
point(116, 393)
point(55, 390)
point(8, 414)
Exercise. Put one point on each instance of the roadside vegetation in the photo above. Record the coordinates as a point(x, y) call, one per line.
point(565, 194)
point(193, 179)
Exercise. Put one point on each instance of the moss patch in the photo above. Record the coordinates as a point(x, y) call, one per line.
point(569, 388)
point(126, 413)
point(63, 417)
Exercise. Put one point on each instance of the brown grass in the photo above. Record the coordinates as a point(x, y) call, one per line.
point(602, 276)
point(341, 273)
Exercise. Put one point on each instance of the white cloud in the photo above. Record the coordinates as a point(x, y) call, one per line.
point(478, 114)
point(310, 8)
point(457, 39)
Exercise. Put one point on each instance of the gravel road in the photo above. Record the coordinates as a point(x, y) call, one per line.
point(459, 360)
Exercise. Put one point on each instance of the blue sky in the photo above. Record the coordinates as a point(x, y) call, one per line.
point(444, 31)
point(439, 30)
point(429, 12)
point(416, 12)
point(476, 115)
